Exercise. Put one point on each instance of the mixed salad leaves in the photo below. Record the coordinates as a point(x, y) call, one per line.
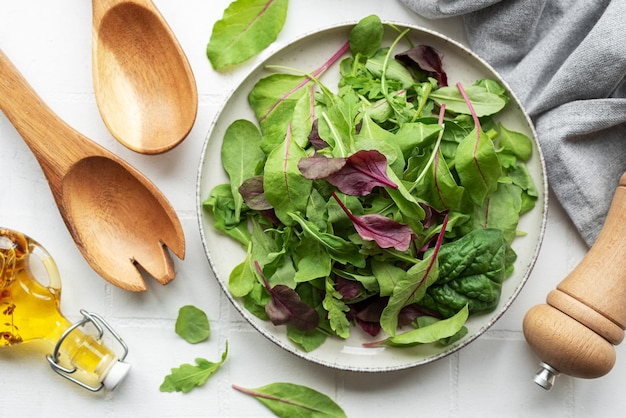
point(387, 206)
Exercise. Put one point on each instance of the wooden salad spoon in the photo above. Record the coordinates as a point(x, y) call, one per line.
point(116, 216)
point(143, 83)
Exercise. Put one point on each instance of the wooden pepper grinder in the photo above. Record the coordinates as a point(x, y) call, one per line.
point(575, 332)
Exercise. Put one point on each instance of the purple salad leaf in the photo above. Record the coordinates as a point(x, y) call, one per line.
point(384, 231)
point(355, 175)
point(349, 289)
point(287, 308)
point(253, 195)
point(314, 137)
point(427, 59)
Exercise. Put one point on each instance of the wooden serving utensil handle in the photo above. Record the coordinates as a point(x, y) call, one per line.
point(585, 316)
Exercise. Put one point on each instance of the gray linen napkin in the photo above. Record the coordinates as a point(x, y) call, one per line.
point(566, 61)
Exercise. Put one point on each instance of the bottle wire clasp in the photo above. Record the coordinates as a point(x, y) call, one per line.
point(101, 324)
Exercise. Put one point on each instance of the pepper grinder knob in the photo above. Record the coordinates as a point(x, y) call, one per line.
point(575, 332)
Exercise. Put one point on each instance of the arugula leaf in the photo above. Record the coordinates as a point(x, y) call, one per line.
point(288, 400)
point(246, 28)
point(192, 324)
point(337, 310)
point(188, 376)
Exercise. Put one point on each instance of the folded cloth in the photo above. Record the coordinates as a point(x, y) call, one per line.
point(566, 62)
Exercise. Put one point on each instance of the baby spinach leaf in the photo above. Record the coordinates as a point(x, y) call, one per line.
point(285, 188)
point(307, 340)
point(471, 270)
point(288, 400)
point(192, 324)
point(188, 376)
point(241, 154)
point(366, 36)
point(246, 28)
point(515, 143)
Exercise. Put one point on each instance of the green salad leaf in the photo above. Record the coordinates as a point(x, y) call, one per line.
point(192, 324)
point(246, 28)
point(288, 400)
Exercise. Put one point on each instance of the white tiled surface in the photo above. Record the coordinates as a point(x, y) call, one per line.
point(49, 41)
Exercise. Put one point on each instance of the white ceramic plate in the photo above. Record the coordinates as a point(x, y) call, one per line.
point(308, 53)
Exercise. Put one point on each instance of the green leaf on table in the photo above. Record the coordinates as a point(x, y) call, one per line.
point(189, 376)
point(288, 400)
point(192, 324)
point(246, 28)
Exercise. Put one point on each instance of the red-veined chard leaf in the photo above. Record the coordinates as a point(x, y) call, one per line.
point(246, 28)
point(287, 308)
point(279, 100)
point(384, 231)
point(285, 188)
point(427, 59)
point(412, 287)
point(355, 175)
point(288, 400)
point(476, 160)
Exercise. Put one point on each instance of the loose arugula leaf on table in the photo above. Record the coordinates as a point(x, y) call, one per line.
point(192, 324)
point(288, 400)
point(189, 376)
point(246, 28)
